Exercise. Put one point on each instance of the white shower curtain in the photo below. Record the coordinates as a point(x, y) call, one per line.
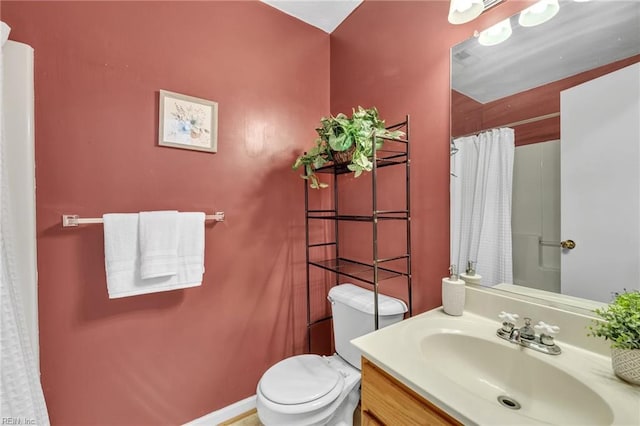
point(481, 189)
point(21, 397)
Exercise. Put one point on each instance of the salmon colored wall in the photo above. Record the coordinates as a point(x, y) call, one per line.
point(395, 55)
point(171, 357)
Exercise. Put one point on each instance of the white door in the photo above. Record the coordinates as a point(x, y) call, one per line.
point(600, 185)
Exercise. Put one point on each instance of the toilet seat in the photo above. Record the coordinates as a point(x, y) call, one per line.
point(300, 384)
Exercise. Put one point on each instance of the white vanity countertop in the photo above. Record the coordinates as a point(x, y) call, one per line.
point(400, 350)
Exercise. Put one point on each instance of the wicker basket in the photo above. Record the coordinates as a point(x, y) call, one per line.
point(626, 364)
point(342, 157)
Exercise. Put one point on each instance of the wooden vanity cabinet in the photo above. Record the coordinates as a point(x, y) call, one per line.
point(386, 401)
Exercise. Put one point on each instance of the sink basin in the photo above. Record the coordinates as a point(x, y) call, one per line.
point(461, 366)
point(536, 389)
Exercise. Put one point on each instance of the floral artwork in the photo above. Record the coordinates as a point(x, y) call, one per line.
point(187, 122)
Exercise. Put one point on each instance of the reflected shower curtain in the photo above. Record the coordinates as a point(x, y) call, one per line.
point(481, 190)
point(21, 398)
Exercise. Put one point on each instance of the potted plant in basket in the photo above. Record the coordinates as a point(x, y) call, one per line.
point(345, 140)
point(621, 325)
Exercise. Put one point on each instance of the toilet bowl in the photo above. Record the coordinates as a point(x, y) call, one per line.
point(310, 390)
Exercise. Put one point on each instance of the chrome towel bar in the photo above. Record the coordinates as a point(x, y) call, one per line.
point(73, 220)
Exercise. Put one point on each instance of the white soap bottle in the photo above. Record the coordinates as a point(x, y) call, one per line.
point(453, 289)
point(470, 276)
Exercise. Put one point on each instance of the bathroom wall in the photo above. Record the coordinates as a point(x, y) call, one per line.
point(171, 357)
point(395, 55)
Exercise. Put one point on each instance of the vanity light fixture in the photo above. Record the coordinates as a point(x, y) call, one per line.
point(496, 34)
point(539, 13)
point(463, 11)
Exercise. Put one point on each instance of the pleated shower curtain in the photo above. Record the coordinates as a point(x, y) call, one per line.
point(21, 397)
point(481, 193)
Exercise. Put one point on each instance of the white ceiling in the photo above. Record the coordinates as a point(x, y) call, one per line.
point(582, 36)
point(323, 14)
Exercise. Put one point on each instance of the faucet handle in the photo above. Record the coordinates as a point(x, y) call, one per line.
point(546, 333)
point(508, 321)
point(545, 328)
point(507, 317)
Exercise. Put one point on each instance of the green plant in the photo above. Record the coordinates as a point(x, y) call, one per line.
point(359, 133)
point(621, 321)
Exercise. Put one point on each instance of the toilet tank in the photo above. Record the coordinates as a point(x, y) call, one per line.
point(353, 313)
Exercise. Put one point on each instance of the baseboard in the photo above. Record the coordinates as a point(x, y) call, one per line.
point(226, 413)
point(248, 416)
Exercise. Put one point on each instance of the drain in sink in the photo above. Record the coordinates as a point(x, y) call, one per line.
point(507, 401)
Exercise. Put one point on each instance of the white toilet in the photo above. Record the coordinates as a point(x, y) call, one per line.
point(309, 390)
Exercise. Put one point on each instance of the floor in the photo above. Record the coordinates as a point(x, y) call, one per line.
point(250, 418)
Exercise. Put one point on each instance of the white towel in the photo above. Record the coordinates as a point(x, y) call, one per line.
point(120, 251)
point(191, 245)
point(158, 244)
point(122, 256)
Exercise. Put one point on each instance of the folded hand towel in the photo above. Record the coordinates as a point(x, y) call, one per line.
point(158, 244)
point(191, 242)
point(122, 256)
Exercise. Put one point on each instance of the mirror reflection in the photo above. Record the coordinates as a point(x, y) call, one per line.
point(545, 153)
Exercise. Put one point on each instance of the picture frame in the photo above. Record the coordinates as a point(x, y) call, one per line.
point(187, 122)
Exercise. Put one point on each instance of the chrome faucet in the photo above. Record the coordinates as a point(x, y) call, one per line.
point(514, 336)
point(526, 336)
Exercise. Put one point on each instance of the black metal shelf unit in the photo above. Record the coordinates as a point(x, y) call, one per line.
point(374, 272)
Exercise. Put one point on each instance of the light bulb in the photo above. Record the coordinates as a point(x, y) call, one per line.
point(539, 13)
point(496, 34)
point(463, 11)
point(538, 8)
point(463, 5)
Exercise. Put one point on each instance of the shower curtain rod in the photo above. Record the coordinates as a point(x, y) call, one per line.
point(514, 124)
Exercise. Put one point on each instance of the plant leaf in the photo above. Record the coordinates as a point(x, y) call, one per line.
point(620, 321)
point(340, 143)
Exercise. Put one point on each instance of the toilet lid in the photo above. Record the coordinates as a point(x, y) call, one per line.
point(298, 380)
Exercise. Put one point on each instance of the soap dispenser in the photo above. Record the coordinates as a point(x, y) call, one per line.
point(453, 289)
point(470, 276)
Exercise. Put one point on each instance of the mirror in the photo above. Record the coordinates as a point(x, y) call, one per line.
point(519, 84)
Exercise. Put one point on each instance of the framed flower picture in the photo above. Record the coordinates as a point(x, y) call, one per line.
point(187, 122)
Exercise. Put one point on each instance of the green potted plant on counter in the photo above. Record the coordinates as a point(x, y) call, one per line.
point(345, 140)
point(621, 325)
